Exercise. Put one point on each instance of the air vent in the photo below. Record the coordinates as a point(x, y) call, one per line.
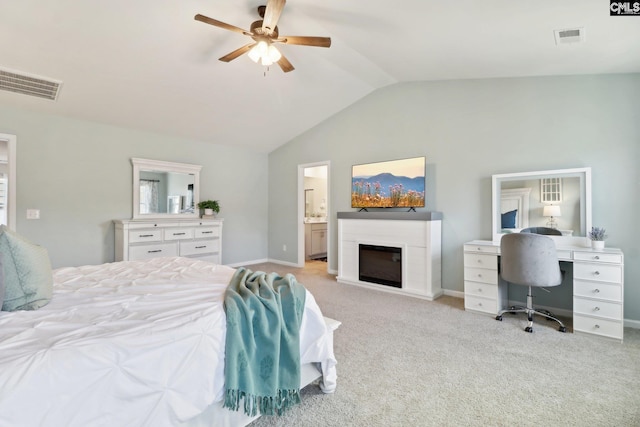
point(570, 35)
point(18, 82)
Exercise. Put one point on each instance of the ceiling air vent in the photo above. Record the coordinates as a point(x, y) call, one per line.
point(18, 82)
point(571, 35)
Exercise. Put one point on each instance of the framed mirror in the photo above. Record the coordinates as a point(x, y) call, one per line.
point(165, 189)
point(558, 199)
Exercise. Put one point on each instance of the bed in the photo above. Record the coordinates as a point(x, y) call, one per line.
point(133, 343)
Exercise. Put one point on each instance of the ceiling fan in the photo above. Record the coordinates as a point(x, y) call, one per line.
point(265, 34)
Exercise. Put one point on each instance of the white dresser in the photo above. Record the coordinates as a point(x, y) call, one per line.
point(598, 285)
point(194, 238)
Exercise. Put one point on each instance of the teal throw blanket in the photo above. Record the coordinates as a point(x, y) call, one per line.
point(262, 354)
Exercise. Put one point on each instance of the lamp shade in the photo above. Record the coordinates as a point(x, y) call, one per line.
point(551, 210)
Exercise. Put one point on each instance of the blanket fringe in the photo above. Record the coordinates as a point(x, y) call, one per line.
point(264, 405)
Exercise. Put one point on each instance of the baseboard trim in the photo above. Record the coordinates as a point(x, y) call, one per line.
point(287, 263)
point(456, 294)
point(245, 263)
point(629, 323)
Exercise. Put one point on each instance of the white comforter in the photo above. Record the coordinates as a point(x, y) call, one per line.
point(137, 343)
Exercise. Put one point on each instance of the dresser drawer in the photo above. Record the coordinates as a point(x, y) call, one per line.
point(137, 236)
point(481, 275)
point(481, 261)
point(198, 247)
point(206, 232)
point(178, 233)
point(152, 251)
point(481, 289)
point(591, 325)
point(598, 257)
point(481, 248)
point(599, 272)
point(485, 305)
point(610, 310)
point(600, 290)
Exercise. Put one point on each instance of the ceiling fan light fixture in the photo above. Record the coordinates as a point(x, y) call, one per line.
point(274, 54)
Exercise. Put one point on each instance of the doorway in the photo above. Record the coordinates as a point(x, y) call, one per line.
point(314, 222)
point(8, 180)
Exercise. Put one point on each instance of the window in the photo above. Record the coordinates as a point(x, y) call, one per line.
point(551, 190)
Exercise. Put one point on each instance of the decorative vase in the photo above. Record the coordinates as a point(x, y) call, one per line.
point(597, 244)
point(208, 212)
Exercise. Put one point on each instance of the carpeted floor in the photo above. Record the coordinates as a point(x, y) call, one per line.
point(403, 361)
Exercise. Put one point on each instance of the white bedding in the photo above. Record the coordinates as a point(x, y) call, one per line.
point(138, 343)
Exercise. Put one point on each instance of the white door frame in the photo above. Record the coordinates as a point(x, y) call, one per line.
point(11, 141)
point(301, 208)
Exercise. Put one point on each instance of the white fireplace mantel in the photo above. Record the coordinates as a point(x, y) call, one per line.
point(417, 234)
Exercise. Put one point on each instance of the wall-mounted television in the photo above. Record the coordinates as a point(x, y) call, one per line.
point(389, 184)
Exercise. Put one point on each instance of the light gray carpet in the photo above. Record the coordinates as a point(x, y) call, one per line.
point(408, 362)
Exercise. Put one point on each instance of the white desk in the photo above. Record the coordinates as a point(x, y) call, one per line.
point(598, 285)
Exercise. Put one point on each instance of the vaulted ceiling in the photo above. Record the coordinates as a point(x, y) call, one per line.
point(147, 64)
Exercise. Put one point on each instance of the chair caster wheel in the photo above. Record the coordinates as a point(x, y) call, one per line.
point(562, 329)
point(528, 329)
point(499, 318)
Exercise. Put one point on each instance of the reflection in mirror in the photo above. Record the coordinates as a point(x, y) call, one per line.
point(559, 199)
point(164, 189)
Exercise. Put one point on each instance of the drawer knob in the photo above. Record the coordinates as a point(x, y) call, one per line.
point(479, 249)
point(207, 232)
point(597, 273)
point(479, 304)
point(596, 326)
point(479, 289)
point(479, 275)
point(596, 291)
point(596, 257)
point(596, 308)
point(200, 247)
point(157, 250)
point(179, 234)
point(145, 235)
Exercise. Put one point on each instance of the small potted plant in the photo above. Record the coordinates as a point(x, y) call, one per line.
point(210, 207)
point(597, 236)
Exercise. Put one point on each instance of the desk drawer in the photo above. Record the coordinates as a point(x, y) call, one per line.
point(481, 261)
point(590, 307)
point(152, 251)
point(481, 248)
point(198, 247)
point(137, 236)
point(481, 289)
point(598, 257)
point(599, 272)
point(178, 233)
point(486, 305)
point(481, 275)
point(592, 325)
point(600, 290)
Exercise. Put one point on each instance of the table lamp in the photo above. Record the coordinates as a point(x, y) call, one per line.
point(551, 211)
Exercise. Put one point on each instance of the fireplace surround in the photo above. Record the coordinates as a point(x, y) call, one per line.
point(416, 239)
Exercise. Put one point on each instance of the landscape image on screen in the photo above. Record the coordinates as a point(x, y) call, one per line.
point(391, 184)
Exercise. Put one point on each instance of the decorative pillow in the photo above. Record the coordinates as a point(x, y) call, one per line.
point(509, 219)
point(28, 281)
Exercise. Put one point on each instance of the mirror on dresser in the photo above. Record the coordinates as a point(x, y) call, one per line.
point(559, 199)
point(165, 189)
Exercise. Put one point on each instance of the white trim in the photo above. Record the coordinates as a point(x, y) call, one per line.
point(287, 263)
point(12, 165)
point(629, 323)
point(245, 263)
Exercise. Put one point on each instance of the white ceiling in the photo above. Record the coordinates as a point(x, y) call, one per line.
point(147, 64)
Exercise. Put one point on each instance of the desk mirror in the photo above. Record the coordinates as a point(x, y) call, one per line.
point(165, 189)
point(559, 199)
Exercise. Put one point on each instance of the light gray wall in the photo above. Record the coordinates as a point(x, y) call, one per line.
point(469, 130)
point(79, 175)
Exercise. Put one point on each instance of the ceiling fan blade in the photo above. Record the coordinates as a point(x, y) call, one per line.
point(306, 41)
point(238, 52)
point(285, 64)
point(220, 24)
point(271, 15)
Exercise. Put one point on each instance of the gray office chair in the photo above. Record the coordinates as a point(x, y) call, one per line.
point(530, 260)
point(542, 230)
